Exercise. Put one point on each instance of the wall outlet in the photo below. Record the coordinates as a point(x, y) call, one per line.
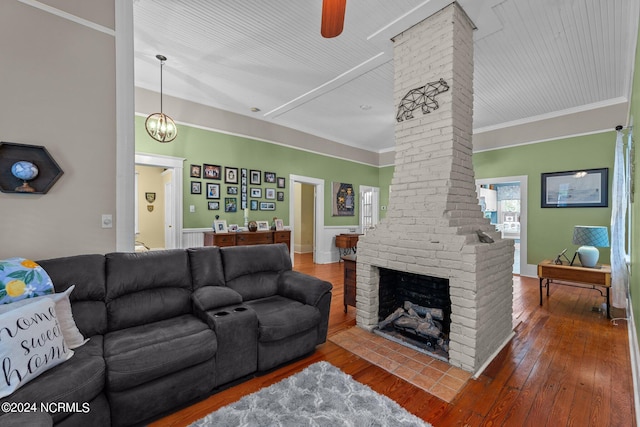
point(192, 208)
point(107, 221)
point(383, 208)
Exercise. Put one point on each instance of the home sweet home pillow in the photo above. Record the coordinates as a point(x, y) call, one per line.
point(31, 342)
point(22, 278)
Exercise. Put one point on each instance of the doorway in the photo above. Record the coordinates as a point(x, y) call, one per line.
point(504, 203)
point(304, 220)
point(309, 197)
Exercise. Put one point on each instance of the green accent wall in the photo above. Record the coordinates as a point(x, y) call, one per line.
point(550, 230)
point(200, 146)
point(634, 279)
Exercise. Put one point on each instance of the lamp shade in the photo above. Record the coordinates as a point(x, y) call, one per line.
point(590, 238)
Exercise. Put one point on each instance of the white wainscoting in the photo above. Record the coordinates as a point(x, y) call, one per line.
point(193, 237)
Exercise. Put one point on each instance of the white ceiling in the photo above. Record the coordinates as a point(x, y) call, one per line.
point(533, 59)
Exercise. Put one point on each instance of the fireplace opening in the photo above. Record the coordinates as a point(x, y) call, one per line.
point(415, 310)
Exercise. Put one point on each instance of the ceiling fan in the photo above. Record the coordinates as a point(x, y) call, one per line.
point(332, 17)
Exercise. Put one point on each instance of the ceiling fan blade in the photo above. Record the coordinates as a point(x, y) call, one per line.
point(332, 17)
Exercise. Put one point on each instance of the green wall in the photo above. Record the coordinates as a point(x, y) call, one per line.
point(550, 230)
point(201, 146)
point(634, 281)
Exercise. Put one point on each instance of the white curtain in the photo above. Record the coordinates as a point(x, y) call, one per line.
point(619, 187)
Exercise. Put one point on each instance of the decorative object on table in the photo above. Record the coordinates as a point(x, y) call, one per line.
point(273, 224)
point(253, 226)
point(230, 175)
point(255, 177)
point(212, 171)
point(196, 187)
point(558, 259)
point(213, 191)
point(196, 171)
point(233, 228)
point(25, 171)
point(263, 225)
point(281, 182)
point(159, 126)
point(267, 206)
point(213, 206)
point(270, 177)
point(48, 170)
point(310, 398)
point(151, 197)
point(484, 237)
point(220, 225)
point(590, 238)
point(279, 224)
point(270, 193)
point(423, 97)
point(587, 188)
point(344, 199)
point(230, 204)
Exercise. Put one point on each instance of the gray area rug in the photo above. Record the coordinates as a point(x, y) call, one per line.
point(321, 395)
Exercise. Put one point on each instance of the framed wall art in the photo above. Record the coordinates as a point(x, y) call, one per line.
point(230, 175)
point(267, 206)
point(255, 177)
point(230, 204)
point(281, 182)
point(270, 193)
point(213, 206)
point(196, 171)
point(587, 188)
point(232, 189)
point(256, 192)
point(213, 191)
point(220, 226)
point(254, 205)
point(270, 177)
point(280, 196)
point(263, 225)
point(344, 199)
point(211, 171)
point(196, 187)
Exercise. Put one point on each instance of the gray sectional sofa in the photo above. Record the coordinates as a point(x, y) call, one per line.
point(170, 327)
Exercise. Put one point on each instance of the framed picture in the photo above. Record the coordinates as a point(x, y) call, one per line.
point(263, 225)
point(196, 171)
point(254, 205)
point(256, 192)
point(232, 190)
point(281, 182)
point(270, 193)
point(220, 226)
point(230, 175)
point(344, 199)
point(267, 206)
point(211, 171)
point(270, 177)
point(233, 228)
point(196, 187)
point(213, 206)
point(243, 203)
point(213, 191)
point(587, 188)
point(280, 196)
point(279, 224)
point(230, 204)
point(255, 177)
point(243, 173)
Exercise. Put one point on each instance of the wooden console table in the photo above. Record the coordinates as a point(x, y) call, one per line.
point(347, 243)
point(247, 238)
point(599, 276)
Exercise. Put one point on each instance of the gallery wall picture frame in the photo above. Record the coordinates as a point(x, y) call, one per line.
point(232, 189)
point(344, 199)
point(270, 193)
point(230, 204)
point(213, 190)
point(196, 187)
point(282, 182)
point(196, 171)
point(267, 206)
point(263, 225)
point(270, 177)
point(280, 196)
point(253, 205)
point(243, 172)
point(255, 177)
point(220, 226)
point(256, 192)
point(211, 171)
point(230, 175)
point(213, 206)
point(586, 188)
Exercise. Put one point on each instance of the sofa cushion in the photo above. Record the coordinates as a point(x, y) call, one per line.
point(147, 287)
point(253, 271)
point(143, 353)
point(87, 273)
point(206, 266)
point(22, 278)
point(280, 317)
point(79, 379)
point(210, 297)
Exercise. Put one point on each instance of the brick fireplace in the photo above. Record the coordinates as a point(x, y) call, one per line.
point(433, 214)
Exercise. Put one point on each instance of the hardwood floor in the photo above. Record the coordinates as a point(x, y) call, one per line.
point(566, 366)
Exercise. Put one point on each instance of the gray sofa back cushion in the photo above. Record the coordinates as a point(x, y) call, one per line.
point(206, 266)
point(87, 272)
point(147, 287)
point(253, 271)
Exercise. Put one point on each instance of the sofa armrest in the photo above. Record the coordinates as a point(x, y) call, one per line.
point(302, 287)
point(211, 297)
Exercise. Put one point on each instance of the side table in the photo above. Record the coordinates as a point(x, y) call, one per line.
point(349, 281)
point(598, 276)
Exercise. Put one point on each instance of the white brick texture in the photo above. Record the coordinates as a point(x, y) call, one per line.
point(433, 213)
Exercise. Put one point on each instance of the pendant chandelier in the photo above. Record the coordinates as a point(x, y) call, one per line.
point(159, 126)
point(332, 17)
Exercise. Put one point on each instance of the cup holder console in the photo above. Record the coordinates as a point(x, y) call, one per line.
point(221, 313)
point(240, 309)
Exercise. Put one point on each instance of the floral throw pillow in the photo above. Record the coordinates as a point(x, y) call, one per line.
point(22, 278)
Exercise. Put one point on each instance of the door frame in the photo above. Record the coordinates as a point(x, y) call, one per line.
point(525, 269)
point(176, 164)
point(318, 204)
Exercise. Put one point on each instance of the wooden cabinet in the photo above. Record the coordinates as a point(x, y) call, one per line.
point(349, 281)
point(247, 238)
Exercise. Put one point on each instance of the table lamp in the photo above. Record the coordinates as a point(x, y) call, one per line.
point(590, 238)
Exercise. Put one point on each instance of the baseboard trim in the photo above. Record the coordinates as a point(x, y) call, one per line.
point(493, 356)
